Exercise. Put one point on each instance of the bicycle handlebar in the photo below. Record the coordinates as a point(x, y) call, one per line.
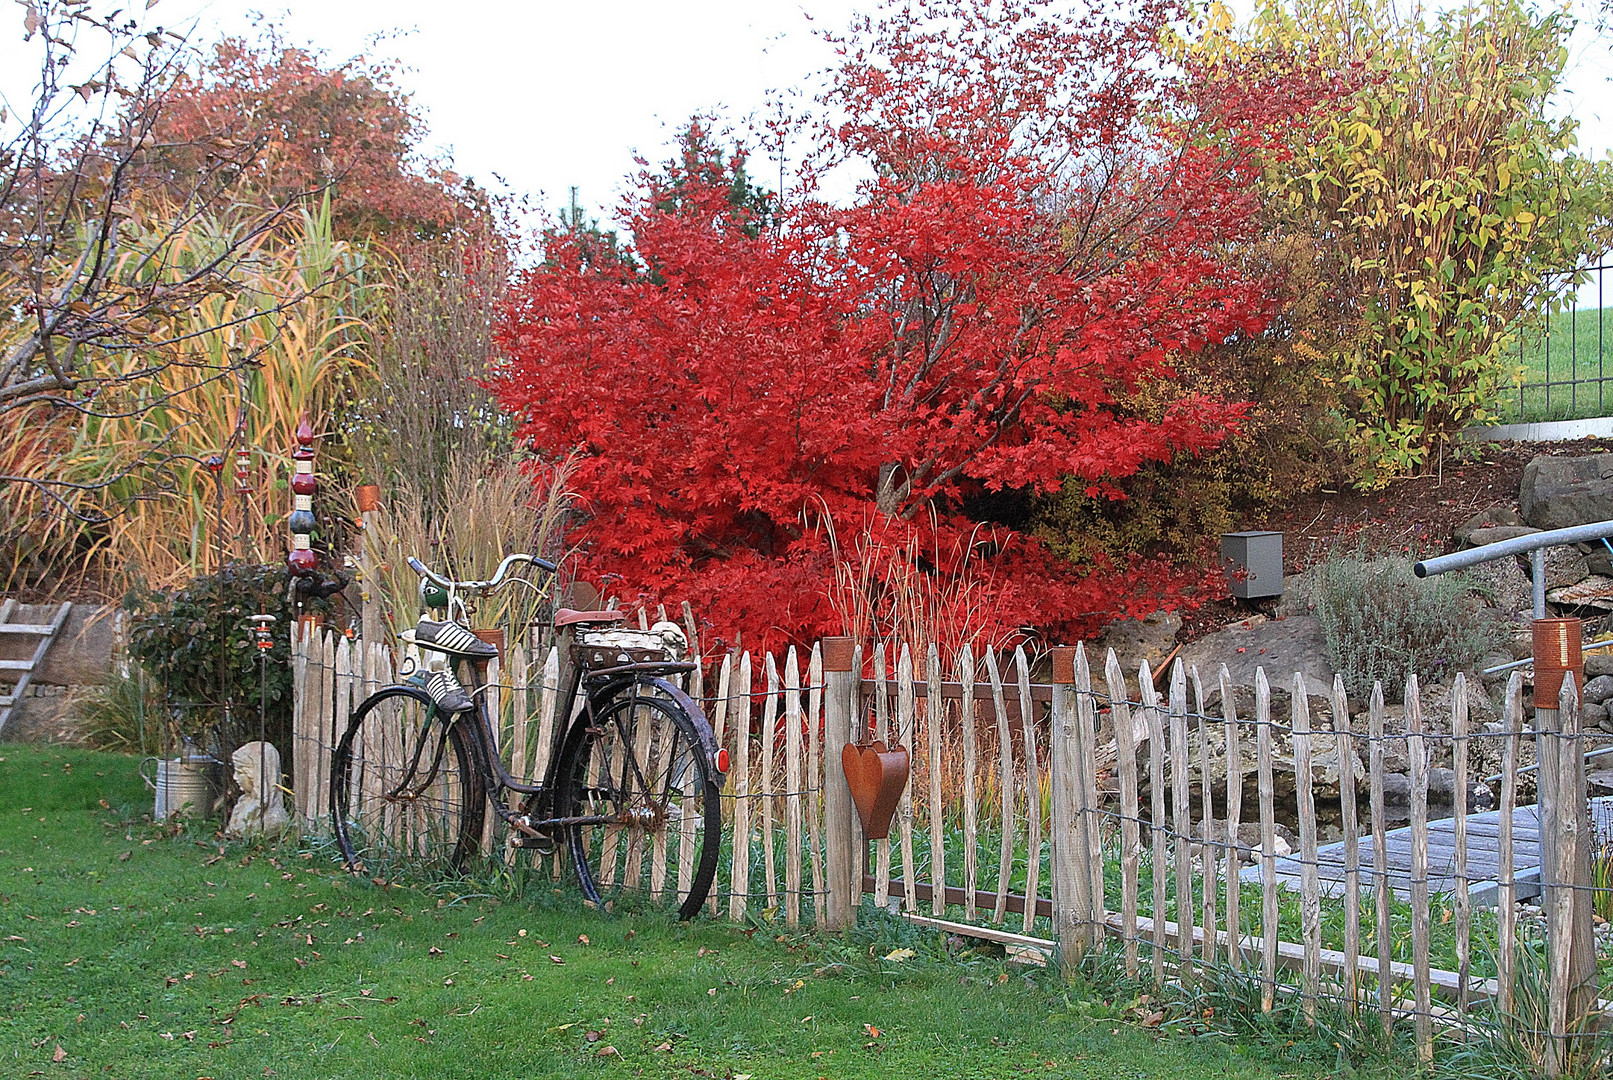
point(499, 576)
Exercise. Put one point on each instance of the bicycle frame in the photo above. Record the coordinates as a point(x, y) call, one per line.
point(602, 686)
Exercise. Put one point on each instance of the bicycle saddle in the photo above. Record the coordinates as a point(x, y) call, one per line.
point(570, 617)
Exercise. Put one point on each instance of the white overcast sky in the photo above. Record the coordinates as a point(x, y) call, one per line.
point(545, 94)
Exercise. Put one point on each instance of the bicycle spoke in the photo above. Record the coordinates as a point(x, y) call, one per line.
point(397, 801)
point(640, 762)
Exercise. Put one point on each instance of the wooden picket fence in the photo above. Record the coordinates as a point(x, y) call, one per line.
point(1024, 820)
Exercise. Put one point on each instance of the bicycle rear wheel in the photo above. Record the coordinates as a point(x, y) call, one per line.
point(405, 787)
point(640, 763)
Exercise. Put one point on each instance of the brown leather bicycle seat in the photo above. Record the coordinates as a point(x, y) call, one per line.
point(569, 617)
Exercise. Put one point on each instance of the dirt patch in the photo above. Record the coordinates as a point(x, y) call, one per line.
point(1414, 515)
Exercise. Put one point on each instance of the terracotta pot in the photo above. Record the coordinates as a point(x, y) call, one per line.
point(876, 775)
point(369, 497)
point(494, 638)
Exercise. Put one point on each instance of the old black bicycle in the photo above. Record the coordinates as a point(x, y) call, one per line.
point(630, 791)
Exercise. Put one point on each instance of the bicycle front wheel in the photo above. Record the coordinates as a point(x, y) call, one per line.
point(405, 788)
point(639, 769)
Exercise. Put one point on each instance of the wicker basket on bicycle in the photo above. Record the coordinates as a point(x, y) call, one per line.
point(606, 648)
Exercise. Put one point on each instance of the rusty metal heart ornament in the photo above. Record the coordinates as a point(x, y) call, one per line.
point(876, 774)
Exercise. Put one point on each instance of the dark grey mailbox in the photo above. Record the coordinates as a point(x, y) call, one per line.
point(1254, 562)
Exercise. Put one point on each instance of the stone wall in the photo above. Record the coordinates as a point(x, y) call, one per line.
point(83, 656)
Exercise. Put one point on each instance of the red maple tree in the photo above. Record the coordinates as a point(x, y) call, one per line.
point(1040, 236)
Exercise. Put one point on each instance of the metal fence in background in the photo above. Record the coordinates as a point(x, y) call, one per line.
point(1566, 374)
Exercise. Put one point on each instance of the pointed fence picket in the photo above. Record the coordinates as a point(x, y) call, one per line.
point(1037, 798)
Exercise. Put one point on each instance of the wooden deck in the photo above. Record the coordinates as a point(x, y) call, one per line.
point(1483, 864)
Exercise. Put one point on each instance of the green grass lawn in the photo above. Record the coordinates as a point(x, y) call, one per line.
point(133, 951)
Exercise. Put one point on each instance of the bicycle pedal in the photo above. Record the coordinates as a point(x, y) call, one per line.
point(543, 845)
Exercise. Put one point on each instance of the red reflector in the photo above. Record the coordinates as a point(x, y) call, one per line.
point(722, 761)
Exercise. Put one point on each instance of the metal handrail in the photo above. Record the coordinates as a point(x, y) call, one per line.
point(1533, 543)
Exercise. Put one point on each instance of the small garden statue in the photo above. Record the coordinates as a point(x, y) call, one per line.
point(259, 809)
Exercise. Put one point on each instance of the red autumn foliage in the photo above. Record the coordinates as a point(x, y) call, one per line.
point(1035, 246)
point(304, 125)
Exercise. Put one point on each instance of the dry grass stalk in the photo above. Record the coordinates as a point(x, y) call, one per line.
point(498, 511)
point(300, 318)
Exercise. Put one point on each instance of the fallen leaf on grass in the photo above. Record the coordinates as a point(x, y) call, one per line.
point(556, 959)
point(898, 955)
point(582, 939)
point(665, 1048)
point(611, 1051)
point(60, 1055)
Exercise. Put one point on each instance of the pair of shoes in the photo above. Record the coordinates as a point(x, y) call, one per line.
point(451, 638)
point(446, 692)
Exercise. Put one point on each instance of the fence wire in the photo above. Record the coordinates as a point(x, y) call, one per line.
point(1104, 822)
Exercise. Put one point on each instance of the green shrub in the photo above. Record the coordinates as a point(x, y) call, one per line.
point(1382, 622)
point(197, 645)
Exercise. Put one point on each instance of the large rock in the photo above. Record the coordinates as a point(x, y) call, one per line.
point(1499, 515)
point(1150, 638)
point(1281, 646)
point(1598, 689)
point(46, 714)
point(1557, 492)
point(1481, 537)
point(1565, 566)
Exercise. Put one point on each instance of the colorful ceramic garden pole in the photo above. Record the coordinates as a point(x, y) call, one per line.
point(303, 560)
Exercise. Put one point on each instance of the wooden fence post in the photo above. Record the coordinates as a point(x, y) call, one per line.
point(1181, 820)
point(370, 556)
point(842, 834)
point(1506, 892)
point(739, 891)
point(1383, 944)
point(1416, 750)
point(1310, 884)
point(1033, 788)
point(1086, 720)
point(1558, 913)
point(1156, 816)
point(1130, 833)
point(1571, 997)
point(1582, 990)
point(1072, 877)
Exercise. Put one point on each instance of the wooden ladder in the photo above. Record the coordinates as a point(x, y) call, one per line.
point(24, 669)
